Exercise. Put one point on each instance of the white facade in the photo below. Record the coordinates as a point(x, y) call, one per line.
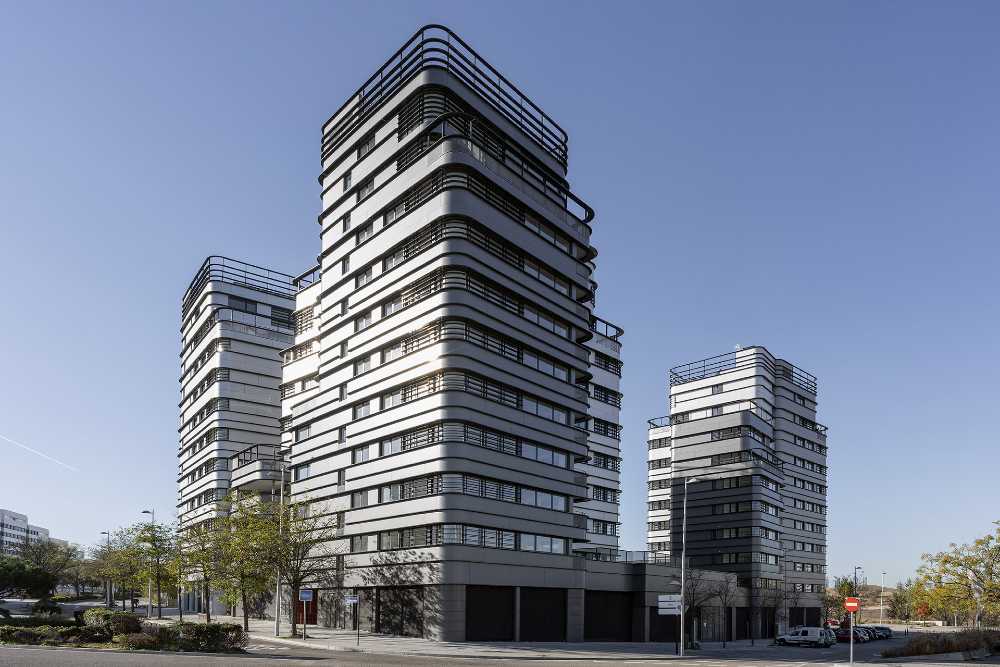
point(15, 531)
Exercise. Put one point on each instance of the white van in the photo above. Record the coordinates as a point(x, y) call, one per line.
point(806, 637)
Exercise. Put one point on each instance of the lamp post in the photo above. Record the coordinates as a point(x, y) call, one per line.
point(881, 599)
point(281, 514)
point(107, 582)
point(687, 480)
point(156, 553)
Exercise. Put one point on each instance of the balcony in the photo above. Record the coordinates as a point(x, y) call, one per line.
point(751, 406)
point(659, 422)
point(235, 272)
point(605, 328)
point(622, 556)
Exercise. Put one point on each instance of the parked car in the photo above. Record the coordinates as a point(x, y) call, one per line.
point(805, 637)
point(872, 635)
point(860, 637)
point(831, 635)
point(887, 631)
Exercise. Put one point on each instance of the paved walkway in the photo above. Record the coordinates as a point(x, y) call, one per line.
point(348, 640)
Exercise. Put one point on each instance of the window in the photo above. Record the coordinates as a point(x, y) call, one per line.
point(362, 410)
point(281, 317)
point(366, 188)
point(392, 214)
point(300, 472)
point(345, 265)
point(347, 180)
point(366, 145)
point(392, 445)
point(716, 388)
point(394, 351)
point(392, 398)
point(363, 278)
point(716, 410)
point(361, 454)
point(359, 499)
point(393, 305)
point(244, 305)
point(362, 365)
point(362, 322)
point(364, 233)
point(302, 432)
point(347, 222)
point(395, 259)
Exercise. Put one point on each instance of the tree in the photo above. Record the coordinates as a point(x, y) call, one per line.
point(305, 550)
point(726, 592)
point(831, 603)
point(157, 543)
point(81, 574)
point(248, 537)
point(50, 557)
point(19, 578)
point(966, 578)
point(121, 560)
point(202, 554)
point(901, 601)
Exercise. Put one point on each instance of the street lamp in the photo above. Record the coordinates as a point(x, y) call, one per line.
point(281, 512)
point(156, 552)
point(856, 568)
point(881, 599)
point(687, 480)
point(107, 582)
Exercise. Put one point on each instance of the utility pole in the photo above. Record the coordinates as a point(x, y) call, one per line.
point(107, 582)
point(156, 553)
point(281, 514)
point(684, 524)
point(881, 599)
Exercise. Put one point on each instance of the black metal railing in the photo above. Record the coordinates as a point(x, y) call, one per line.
point(235, 272)
point(437, 46)
point(237, 320)
point(659, 422)
point(741, 360)
point(623, 556)
point(605, 328)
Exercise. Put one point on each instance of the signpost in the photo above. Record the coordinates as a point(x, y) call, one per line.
point(305, 596)
point(852, 605)
point(669, 605)
point(353, 600)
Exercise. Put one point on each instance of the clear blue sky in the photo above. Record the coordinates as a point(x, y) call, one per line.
point(818, 178)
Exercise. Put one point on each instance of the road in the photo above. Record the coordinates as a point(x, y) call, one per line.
point(266, 653)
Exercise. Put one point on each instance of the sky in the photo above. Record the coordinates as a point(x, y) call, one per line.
point(817, 178)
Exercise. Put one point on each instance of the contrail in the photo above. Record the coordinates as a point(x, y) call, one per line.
point(35, 451)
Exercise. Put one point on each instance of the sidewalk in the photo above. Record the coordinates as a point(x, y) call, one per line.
point(347, 640)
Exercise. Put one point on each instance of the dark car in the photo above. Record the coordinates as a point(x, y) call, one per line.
point(887, 631)
point(872, 632)
point(844, 635)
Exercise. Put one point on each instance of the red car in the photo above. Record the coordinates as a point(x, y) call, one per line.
point(844, 635)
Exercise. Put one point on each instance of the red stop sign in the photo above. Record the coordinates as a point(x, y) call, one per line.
point(852, 604)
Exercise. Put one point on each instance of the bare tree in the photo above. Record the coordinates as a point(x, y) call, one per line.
point(726, 592)
point(772, 598)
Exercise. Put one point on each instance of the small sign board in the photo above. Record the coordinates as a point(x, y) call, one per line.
point(670, 599)
point(852, 604)
point(669, 611)
point(350, 599)
point(305, 595)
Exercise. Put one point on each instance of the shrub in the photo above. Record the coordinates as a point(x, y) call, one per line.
point(26, 636)
point(137, 641)
point(945, 642)
point(35, 621)
point(210, 637)
point(93, 634)
point(116, 622)
point(46, 608)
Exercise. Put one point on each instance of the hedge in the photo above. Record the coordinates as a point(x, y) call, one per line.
point(926, 643)
point(115, 622)
point(205, 637)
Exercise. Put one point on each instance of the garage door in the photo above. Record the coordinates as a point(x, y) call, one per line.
point(543, 614)
point(607, 616)
point(489, 613)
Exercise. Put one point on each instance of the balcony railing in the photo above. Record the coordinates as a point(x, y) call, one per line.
point(248, 323)
point(742, 360)
point(750, 406)
point(622, 556)
point(267, 454)
point(235, 272)
point(437, 46)
point(659, 422)
point(605, 328)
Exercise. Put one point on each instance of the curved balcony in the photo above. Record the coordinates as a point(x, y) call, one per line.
point(435, 46)
point(232, 271)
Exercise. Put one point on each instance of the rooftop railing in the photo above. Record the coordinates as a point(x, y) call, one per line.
point(605, 328)
point(437, 46)
point(741, 360)
point(235, 272)
point(659, 422)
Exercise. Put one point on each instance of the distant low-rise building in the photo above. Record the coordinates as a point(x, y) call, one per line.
point(15, 531)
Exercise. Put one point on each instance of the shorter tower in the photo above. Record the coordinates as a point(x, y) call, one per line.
point(742, 443)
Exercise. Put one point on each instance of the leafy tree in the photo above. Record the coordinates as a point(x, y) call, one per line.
point(53, 558)
point(202, 554)
point(121, 560)
point(23, 579)
point(832, 603)
point(248, 541)
point(966, 578)
point(158, 546)
point(901, 601)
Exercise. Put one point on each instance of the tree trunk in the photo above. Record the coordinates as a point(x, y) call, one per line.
point(246, 613)
point(208, 602)
point(291, 605)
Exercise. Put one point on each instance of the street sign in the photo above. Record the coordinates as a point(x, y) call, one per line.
point(670, 599)
point(669, 611)
point(305, 595)
point(852, 604)
point(350, 599)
